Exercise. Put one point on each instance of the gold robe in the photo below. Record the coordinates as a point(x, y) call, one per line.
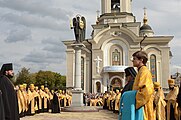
point(25, 95)
point(171, 99)
point(144, 97)
point(159, 105)
point(69, 99)
point(93, 102)
point(32, 101)
point(21, 102)
point(117, 100)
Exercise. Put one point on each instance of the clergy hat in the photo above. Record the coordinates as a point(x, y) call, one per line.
point(171, 82)
point(156, 85)
point(6, 67)
point(130, 71)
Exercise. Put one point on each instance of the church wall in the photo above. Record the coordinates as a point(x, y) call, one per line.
point(165, 66)
point(155, 50)
point(106, 6)
point(95, 67)
point(88, 75)
point(70, 68)
point(105, 81)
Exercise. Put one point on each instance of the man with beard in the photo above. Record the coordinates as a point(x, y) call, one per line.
point(171, 98)
point(8, 92)
point(130, 75)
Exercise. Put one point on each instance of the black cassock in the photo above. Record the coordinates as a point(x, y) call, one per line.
point(128, 87)
point(9, 98)
point(2, 117)
point(55, 104)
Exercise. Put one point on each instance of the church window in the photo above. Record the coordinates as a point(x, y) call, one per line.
point(82, 73)
point(153, 67)
point(115, 5)
point(98, 87)
point(116, 57)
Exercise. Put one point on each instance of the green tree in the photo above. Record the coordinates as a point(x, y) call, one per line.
point(45, 78)
point(23, 76)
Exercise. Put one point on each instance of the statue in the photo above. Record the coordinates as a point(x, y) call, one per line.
point(79, 26)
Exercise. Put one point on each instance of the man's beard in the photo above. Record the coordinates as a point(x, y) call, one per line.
point(10, 76)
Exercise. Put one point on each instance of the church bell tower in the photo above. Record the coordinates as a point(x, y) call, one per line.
point(116, 11)
point(110, 6)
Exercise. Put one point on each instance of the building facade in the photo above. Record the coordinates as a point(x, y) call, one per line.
point(115, 37)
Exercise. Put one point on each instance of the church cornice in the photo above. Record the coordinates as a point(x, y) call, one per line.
point(117, 29)
point(117, 14)
point(156, 39)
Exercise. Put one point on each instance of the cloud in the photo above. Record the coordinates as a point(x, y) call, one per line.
point(40, 8)
point(53, 45)
point(44, 57)
point(36, 28)
point(21, 34)
point(34, 21)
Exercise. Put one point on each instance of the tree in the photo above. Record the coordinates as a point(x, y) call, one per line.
point(23, 76)
point(47, 78)
point(50, 79)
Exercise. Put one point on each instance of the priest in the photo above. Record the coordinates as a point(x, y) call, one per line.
point(171, 98)
point(9, 96)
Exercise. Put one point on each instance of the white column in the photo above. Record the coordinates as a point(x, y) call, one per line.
point(78, 68)
point(77, 93)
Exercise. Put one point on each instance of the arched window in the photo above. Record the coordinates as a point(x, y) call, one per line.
point(115, 5)
point(98, 87)
point(82, 73)
point(116, 57)
point(153, 67)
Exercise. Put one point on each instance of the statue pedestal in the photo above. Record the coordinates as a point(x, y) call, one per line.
point(77, 98)
point(77, 93)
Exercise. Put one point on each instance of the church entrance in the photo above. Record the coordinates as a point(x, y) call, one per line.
point(116, 83)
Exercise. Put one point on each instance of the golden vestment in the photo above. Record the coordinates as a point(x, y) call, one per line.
point(144, 97)
point(159, 105)
point(21, 101)
point(31, 101)
point(171, 100)
point(25, 95)
point(117, 100)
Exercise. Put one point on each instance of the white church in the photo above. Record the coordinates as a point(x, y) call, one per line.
point(115, 37)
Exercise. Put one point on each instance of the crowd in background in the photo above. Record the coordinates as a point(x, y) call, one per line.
point(32, 100)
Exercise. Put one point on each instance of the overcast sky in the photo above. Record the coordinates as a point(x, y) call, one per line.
point(32, 31)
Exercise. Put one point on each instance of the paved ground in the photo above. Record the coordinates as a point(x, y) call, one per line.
point(101, 115)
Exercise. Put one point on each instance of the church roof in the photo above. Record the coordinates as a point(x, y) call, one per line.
point(145, 27)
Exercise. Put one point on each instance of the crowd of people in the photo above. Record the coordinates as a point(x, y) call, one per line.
point(32, 100)
point(16, 102)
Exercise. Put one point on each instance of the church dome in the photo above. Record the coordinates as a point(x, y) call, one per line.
point(145, 27)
